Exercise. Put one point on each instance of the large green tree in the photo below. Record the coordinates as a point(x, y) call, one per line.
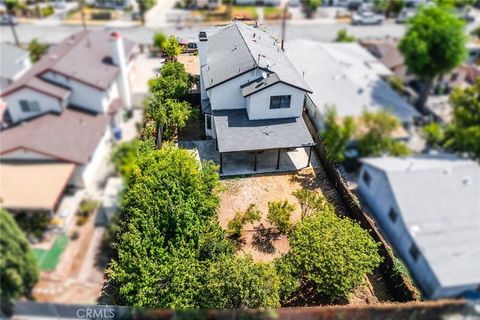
point(463, 133)
point(18, 266)
point(334, 253)
point(170, 251)
point(171, 48)
point(433, 45)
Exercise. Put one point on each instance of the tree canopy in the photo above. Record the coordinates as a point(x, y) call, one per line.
point(171, 48)
point(18, 266)
point(36, 50)
point(335, 253)
point(433, 45)
point(463, 133)
point(343, 36)
point(337, 134)
point(159, 39)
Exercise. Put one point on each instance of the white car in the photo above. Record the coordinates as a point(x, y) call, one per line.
point(367, 18)
point(405, 15)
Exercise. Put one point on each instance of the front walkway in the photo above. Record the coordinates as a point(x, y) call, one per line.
point(242, 163)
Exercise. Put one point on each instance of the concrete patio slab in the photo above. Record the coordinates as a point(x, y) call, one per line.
point(242, 163)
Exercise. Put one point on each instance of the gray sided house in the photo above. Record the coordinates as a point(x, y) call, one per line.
point(428, 207)
point(252, 95)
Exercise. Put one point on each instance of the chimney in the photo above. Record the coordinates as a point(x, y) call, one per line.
point(202, 54)
point(118, 59)
point(202, 47)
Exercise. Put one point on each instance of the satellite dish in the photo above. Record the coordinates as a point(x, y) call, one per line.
point(264, 75)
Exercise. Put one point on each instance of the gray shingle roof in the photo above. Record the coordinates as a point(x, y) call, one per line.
point(10, 55)
point(84, 56)
point(235, 132)
point(342, 77)
point(439, 202)
point(238, 48)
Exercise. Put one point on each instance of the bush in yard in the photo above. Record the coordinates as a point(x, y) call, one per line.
point(312, 202)
point(337, 135)
point(433, 134)
point(279, 213)
point(36, 50)
point(233, 282)
point(463, 133)
point(18, 266)
point(86, 207)
point(235, 226)
point(33, 224)
point(376, 138)
point(289, 277)
point(397, 84)
point(334, 253)
point(123, 157)
point(159, 39)
point(343, 36)
point(171, 48)
point(171, 114)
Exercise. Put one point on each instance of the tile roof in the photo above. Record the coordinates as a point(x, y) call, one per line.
point(258, 134)
point(84, 56)
point(70, 136)
point(439, 201)
point(238, 48)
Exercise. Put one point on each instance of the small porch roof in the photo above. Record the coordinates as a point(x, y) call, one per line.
point(235, 132)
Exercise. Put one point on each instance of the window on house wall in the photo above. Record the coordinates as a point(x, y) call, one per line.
point(414, 252)
point(392, 214)
point(29, 106)
point(280, 102)
point(366, 178)
point(208, 121)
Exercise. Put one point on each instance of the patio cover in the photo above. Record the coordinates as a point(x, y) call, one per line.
point(33, 186)
point(235, 132)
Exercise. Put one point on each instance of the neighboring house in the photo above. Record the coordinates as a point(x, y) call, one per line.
point(61, 117)
point(428, 207)
point(210, 4)
point(114, 4)
point(346, 76)
point(89, 70)
point(14, 63)
point(56, 150)
point(252, 95)
point(257, 2)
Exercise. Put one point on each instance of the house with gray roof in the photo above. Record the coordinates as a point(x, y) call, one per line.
point(90, 70)
point(346, 76)
point(428, 208)
point(251, 94)
point(14, 63)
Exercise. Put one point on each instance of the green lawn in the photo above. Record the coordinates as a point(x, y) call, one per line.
point(48, 259)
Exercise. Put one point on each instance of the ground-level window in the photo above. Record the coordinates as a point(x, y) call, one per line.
point(29, 106)
point(280, 102)
point(414, 252)
point(366, 178)
point(392, 214)
point(208, 121)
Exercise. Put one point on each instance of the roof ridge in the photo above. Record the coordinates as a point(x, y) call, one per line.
point(246, 44)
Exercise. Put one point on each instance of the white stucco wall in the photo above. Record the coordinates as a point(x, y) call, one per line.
point(24, 154)
point(47, 103)
point(84, 175)
point(228, 95)
point(86, 96)
point(316, 115)
point(258, 106)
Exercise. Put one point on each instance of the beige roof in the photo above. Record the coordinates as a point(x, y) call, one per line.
point(191, 63)
point(33, 186)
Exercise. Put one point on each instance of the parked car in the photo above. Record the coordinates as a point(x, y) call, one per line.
point(6, 20)
point(353, 5)
point(367, 18)
point(405, 15)
point(191, 47)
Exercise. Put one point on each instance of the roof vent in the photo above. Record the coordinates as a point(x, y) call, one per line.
point(447, 171)
point(467, 180)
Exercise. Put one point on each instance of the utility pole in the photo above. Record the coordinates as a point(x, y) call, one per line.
point(82, 14)
point(12, 25)
point(284, 25)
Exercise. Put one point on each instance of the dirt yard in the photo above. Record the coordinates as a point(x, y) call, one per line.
point(262, 242)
